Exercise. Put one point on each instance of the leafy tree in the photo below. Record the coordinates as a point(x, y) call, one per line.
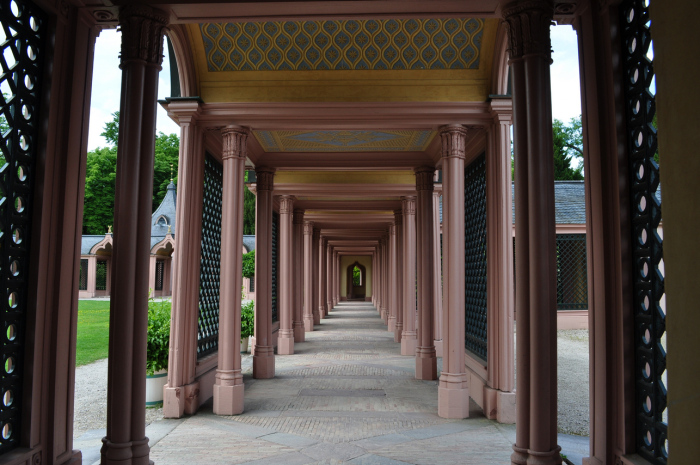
point(356, 273)
point(248, 211)
point(249, 264)
point(111, 131)
point(100, 179)
point(102, 170)
point(568, 145)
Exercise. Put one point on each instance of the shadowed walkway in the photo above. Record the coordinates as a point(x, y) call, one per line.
point(345, 396)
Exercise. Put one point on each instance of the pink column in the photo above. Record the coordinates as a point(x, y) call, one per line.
point(327, 280)
point(141, 57)
point(263, 355)
point(453, 392)
point(298, 275)
point(228, 387)
point(437, 274)
point(385, 278)
point(316, 247)
point(308, 276)
point(530, 59)
point(92, 275)
point(285, 340)
point(391, 279)
point(426, 361)
point(499, 395)
point(409, 341)
point(321, 307)
point(380, 280)
point(400, 274)
point(336, 290)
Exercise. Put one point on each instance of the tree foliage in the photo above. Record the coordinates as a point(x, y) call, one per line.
point(568, 146)
point(101, 174)
point(356, 274)
point(249, 264)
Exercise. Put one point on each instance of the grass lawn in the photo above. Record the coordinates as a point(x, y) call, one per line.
point(93, 331)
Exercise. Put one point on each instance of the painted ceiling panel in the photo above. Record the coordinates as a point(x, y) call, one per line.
point(344, 141)
point(387, 44)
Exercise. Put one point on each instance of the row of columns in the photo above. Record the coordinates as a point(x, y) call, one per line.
point(125, 441)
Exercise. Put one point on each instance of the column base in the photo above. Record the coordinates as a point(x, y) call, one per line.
point(426, 363)
point(285, 343)
point(228, 400)
point(264, 363)
point(122, 453)
point(453, 396)
point(438, 348)
point(552, 457)
point(499, 405)
point(309, 323)
point(409, 343)
point(391, 324)
point(180, 400)
point(299, 332)
point(398, 332)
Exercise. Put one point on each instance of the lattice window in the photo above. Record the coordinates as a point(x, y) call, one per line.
point(83, 278)
point(210, 264)
point(572, 272)
point(275, 261)
point(251, 286)
point(22, 42)
point(101, 276)
point(160, 270)
point(649, 297)
point(475, 257)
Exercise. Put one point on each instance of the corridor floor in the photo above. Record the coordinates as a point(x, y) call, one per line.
point(345, 396)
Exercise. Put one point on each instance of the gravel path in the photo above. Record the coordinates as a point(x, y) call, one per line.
point(90, 408)
point(572, 373)
point(91, 389)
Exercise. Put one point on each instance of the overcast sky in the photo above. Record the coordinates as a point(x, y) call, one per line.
point(566, 96)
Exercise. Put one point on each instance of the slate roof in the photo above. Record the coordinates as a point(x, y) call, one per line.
point(569, 202)
point(249, 242)
point(88, 243)
point(166, 209)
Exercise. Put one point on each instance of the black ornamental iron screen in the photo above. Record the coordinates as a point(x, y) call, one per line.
point(210, 263)
point(22, 39)
point(572, 272)
point(475, 257)
point(647, 253)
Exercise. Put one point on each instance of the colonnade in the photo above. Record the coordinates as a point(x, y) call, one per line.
point(194, 380)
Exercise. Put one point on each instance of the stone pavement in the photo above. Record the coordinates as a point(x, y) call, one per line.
point(345, 396)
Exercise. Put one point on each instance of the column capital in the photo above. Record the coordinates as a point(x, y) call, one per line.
point(409, 205)
point(424, 178)
point(142, 29)
point(528, 28)
point(308, 228)
point(286, 204)
point(298, 217)
point(265, 179)
point(235, 142)
point(453, 140)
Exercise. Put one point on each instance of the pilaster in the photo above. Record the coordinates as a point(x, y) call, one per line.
point(400, 272)
point(409, 341)
point(308, 276)
point(298, 275)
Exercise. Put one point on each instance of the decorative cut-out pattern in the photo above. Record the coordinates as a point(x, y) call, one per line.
point(210, 264)
point(572, 272)
point(648, 268)
point(21, 59)
point(344, 141)
point(475, 257)
point(344, 45)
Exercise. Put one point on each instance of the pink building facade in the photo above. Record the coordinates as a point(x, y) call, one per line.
point(344, 159)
